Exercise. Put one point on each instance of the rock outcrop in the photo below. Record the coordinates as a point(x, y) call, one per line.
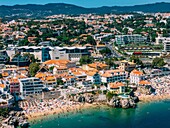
point(16, 119)
point(123, 103)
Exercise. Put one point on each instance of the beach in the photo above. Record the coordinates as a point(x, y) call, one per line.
point(59, 111)
point(152, 98)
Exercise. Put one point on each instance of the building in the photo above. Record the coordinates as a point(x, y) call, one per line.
point(110, 76)
point(95, 66)
point(4, 58)
point(136, 76)
point(44, 53)
point(166, 45)
point(116, 87)
point(14, 85)
point(94, 77)
point(70, 53)
point(126, 39)
point(127, 66)
point(48, 79)
point(30, 86)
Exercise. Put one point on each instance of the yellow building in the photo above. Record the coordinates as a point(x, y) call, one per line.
point(95, 66)
point(127, 66)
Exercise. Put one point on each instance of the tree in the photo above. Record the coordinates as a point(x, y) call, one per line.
point(136, 60)
point(86, 60)
point(105, 51)
point(1, 75)
point(90, 40)
point(33, 68)
point(4, 112)
point(30, 56)
point(158, 62)
point(60, 81)
point(110, 62)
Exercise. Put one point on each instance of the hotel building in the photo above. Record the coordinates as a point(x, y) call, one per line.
point(29, 86)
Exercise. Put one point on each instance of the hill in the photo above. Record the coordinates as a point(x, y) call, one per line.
point(35, 10)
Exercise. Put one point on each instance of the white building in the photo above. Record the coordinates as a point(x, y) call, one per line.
point(29, 86)
point(166, 45)
point(110, 76)
point(125, 39)
point(94, 77)
point(47, 53)
point(136, 76)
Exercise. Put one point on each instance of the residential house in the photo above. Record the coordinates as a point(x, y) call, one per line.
point(116, 87)
point(136, 76)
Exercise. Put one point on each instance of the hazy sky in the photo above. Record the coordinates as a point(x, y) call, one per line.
point(85, 3)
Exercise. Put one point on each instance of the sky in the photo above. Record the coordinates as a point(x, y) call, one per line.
point(84, 3)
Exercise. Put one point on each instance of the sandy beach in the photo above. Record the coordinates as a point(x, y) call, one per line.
point(58, 111)
point(79, 107)
point(152, 98)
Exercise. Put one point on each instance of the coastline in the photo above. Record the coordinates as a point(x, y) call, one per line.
point(78, 108)
point(59, 111)
point(152, 98)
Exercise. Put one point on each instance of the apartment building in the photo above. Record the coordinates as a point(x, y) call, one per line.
point(48, 79)
point(126, 39)
point(94, 77)
point(166, 45)
point(110, 76)
point(29, 86)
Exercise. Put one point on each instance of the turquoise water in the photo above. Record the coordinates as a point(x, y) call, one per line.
point(149, 115)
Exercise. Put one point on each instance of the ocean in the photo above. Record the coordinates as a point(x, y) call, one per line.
point(146, 115)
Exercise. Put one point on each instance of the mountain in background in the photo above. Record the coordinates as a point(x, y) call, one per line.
point(35, 10)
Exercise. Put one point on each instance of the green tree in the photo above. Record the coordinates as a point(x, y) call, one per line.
point(136, 60)
point(105, 51)
point(86, 60)
point(90, 40)
point(110, 62)
point(1, 75)
point(158, 62)
point(60, 81)
point(33, 68)
point(4, 112)
point(30, 56)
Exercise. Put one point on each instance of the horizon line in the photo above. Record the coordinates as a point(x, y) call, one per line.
point(85, 6)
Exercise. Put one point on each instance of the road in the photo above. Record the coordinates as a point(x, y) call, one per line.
point(113, 50)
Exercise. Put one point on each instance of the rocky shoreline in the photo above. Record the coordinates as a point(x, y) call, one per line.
point(15, 119)
point(123, 103)
point(20, 118)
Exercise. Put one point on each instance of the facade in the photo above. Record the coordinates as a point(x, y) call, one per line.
point(94, 77)
point(4, 58)
point(48, 79)
point(166, 45)
point(44, 53)
point(110, 76)
point(14, 85)
point(95, 66)
point(127, 66)
point(70, 53)
point(30, 86)
point(126, 39)
point(136, 76)
point(69, 80)
point(116, 87)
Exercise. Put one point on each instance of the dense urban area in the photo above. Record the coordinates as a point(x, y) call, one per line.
point(62, 61)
